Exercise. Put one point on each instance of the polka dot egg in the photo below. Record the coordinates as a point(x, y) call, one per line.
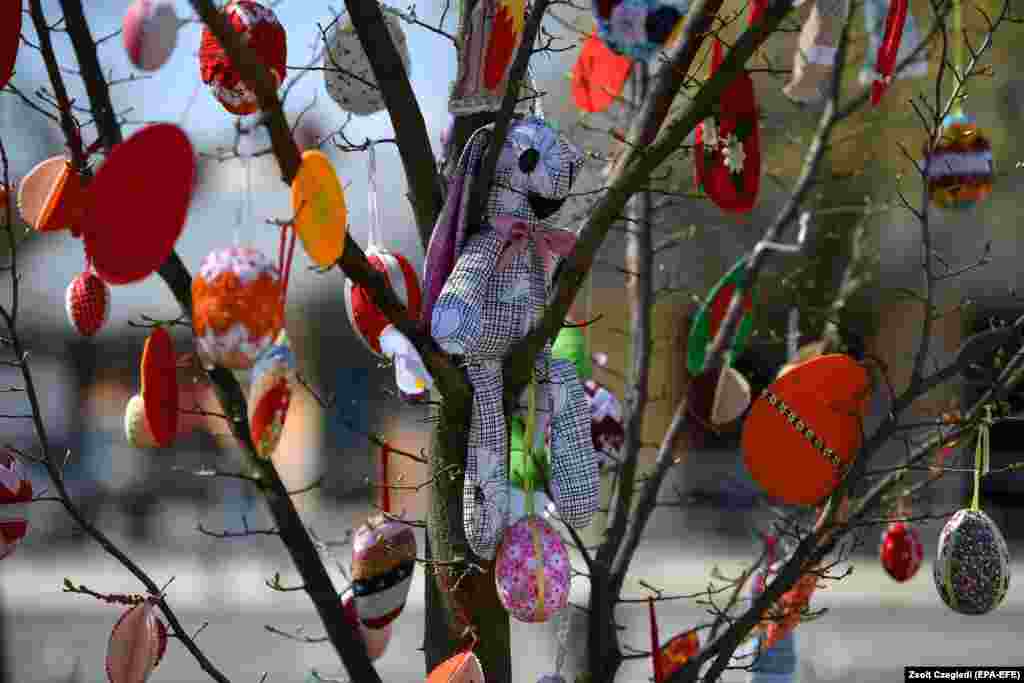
point(348, 76)
point(532, 570)
point(972, 570)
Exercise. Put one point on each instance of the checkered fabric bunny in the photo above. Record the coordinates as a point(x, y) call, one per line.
point(486, 283)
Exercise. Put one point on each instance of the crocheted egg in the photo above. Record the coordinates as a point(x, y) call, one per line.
point(137, 644)
point(375, 639)
point(270, 394)
point(262, 32)
point(10, 38)
point(901, 552)
point(87, 303)
point(366, 319)
point(11, 533)
point(14, 487)
point(150, 32)
point(532, 570)
point(960, 170)
point(51, 196)
point(638, 28)
point(972, 568)
point(383, 558)
point(463, 667)
point(160, 387)
point(348, 75)
point(237, 307)
point(136, 428)
point(606, 427)
point(805, 429)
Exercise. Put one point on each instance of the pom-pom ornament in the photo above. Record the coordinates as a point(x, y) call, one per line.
point(639, 28)
point(348, 76)
point(237, 307)
point(87, 302)
point(383, 559)
point(51, 196)
point(160, 387)
point(14, 487)
point(805, 429)
point(270, 395)
point(901, 552)
point(137, 644)
point(532, 570)
point(972, 568)
point(463, 667)
point(375, 639)
point(150, 31)
point(367, 320)
point(262, 32)
point(136, 427)
point(960, 169)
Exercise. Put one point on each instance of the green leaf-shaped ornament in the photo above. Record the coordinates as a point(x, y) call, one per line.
point(711, 314)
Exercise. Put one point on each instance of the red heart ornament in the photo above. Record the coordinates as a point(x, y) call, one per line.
point(902, 551)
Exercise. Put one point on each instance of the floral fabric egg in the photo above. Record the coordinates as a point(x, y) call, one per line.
point(348, 76)
point(237, 307)
point(960, 170)
point(638, 28)
point(383, 559)
point(367, 320)
point(270, 395)
point(262, 32)
point(532, 570)
point(901, 552)
point(972, 569)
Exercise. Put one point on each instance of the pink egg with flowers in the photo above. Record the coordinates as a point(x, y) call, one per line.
point(532, 570)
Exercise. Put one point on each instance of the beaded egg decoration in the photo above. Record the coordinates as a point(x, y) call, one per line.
point(270, 395)
point(960, 170)
point(532, 570)
point(901, 552)
point(638, 28)
point(348, 76)
point(972, 568)
point(237, 307)
point(383, 559)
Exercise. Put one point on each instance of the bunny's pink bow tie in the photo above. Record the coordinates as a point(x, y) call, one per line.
point(551, 243)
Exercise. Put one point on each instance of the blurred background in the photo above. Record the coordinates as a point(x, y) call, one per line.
point(150, 502)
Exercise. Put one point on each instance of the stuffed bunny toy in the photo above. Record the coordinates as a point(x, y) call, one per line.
point(486, 282)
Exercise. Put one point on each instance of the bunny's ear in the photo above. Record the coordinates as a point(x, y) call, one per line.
point(451, 229)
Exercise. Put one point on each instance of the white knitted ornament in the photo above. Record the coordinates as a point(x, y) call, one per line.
point(348, 75)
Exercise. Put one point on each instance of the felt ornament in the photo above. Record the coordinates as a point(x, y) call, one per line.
point(348, 75)
point(237, 307)
point(901, 552)
point(150, 32)
point(383, 559)
point(960, 170)
point(804, 430)
point(715, 398)
point(14, 486)
point(122, 194)
point(815, 55)
point(375, 639)
point(136, 427)
point(877, 17)
point(318, 202)
point(727, 151)
point(262, 32)
point(532, 570)
point(598, 76)
point(463, 667)
point(483, 292)
point(160, 386)
point(51, 197)
point(11, 533)
point(885, 61)
point(87, 303)
point(10, 38)
point(270, 395)
point(137, 644)
point(711, 314)
point(639, 28)
point(972, 565)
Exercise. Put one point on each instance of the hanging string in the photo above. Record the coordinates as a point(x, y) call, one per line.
point(530, 435)
point(374, 240)
point(981, 457)
point(958, 52)
point(382, 476)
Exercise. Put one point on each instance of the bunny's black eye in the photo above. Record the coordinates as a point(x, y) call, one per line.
point(528, 160)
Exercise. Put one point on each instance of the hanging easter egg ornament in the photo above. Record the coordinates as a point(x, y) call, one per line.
point(532, 570)
point(375, 639)
point(262, 32)
point(885, 62)
point(12, 531)
point(237, 307)
point(14, 486)
point(270, 395)
point(805, 429)
point(150, 32)
point(463, 667)
point(606, 426)
point(598, 76)
point(638, 28)
point(960, 169)
point(10, 38)
point(318, 202)
point(901, 552)
point(712, 313)
point(160, 387)
point(51, 197)
point(348, 76)
point(136, 427)
point(124, 196)
point(137, 644)
point(87, 302)
point(367, 320)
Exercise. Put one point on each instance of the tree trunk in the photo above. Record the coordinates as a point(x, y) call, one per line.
point(603, 654)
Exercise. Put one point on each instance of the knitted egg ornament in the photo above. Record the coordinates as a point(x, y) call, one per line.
point(348, 76)
point(87, 302)
point(972, 568)
point(805, 429)
point(367, 320)
point(375, 639)
point(137, 644)
point(383, 558)
point(532, 570)
point(638, 28)
point(11, 533)
point(150, 31)
point(10, 38)
point(51, 196)
point(14, 487)
point(262, 32)
point(463, 667)
point(960, 170)
point(237, 307)
point(136, 428)
point(901, 552)
point(270, 395)
point(160, 387)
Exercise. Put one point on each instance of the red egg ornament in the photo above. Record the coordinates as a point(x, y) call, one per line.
point(87, 302)
point(10, 38)
point(902, 551)
point(262, 32)
point(366, 319)
point(14, 487)
point(160, 387)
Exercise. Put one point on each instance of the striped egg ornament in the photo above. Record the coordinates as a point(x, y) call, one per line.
point(383, 559)
point(960, 171)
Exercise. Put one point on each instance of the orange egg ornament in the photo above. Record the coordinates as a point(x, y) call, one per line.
point(51, 197)
point(805, 429)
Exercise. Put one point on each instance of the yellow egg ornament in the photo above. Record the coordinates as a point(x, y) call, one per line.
point(318, 203)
